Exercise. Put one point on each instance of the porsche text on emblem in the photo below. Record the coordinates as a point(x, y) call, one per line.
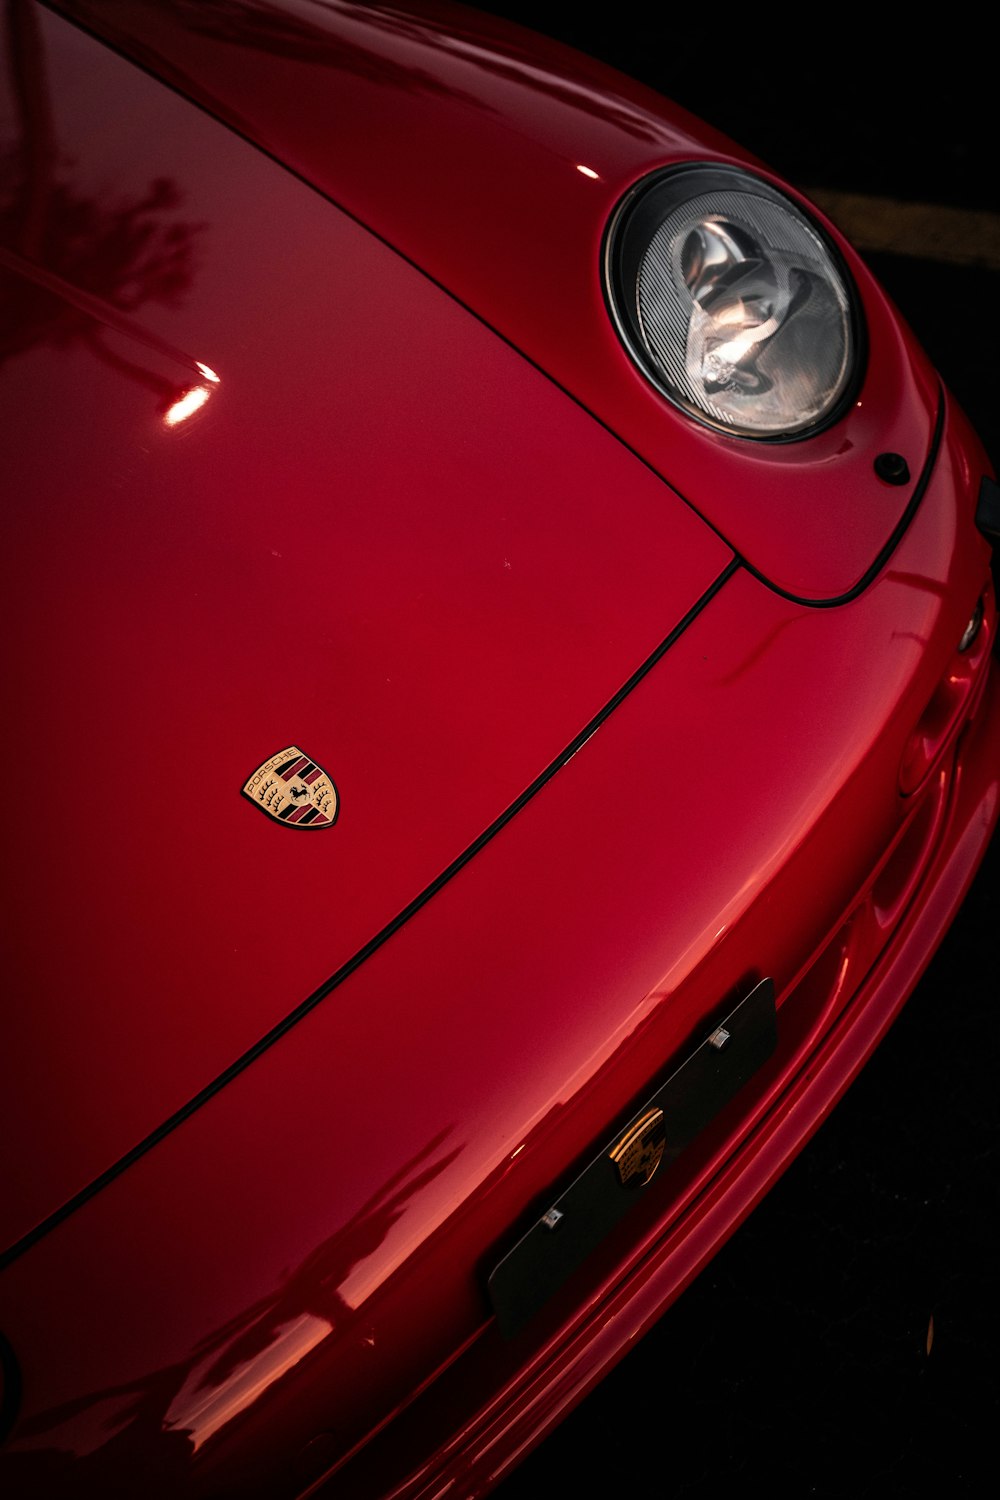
point(294, 790)
point(640, 1150)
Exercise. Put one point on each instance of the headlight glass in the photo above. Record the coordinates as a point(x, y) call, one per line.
point(733, 303)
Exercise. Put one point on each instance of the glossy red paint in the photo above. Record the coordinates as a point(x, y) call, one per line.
point(296, 1267)
point(459, 138)
point(318, 1244)
point(327, 552)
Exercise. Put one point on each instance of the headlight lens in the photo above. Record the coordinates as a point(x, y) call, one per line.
point(732, 303)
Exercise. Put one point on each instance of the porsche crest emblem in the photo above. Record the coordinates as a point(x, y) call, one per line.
point(294, 790)
point(640, 1150)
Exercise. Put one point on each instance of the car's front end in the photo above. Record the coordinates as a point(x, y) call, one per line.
point(642, 712)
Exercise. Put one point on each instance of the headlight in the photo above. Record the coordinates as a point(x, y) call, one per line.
point(732, 302)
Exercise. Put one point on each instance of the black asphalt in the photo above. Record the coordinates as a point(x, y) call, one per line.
point(845, 1342)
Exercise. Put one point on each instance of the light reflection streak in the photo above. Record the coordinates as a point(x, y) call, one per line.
point(191, 401)
point(200, 1412)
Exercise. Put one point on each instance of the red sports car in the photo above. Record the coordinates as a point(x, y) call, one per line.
point(420, 436)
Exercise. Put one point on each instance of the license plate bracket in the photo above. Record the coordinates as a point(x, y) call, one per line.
point(635, 1162)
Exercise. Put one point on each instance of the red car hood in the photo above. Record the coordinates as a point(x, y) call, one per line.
point(269, 487)
point(494, 161)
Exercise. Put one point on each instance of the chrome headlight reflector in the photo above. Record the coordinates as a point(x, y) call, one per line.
point(733, 303)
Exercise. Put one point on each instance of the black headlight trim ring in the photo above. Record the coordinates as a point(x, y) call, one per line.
point(627, 237)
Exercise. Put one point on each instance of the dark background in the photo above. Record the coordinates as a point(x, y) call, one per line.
point(846, 1340)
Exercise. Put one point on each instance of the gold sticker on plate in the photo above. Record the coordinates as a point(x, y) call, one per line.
point(294, 790)
point(640, 1151)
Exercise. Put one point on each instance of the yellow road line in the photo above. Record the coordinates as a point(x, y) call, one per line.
point(955, 236)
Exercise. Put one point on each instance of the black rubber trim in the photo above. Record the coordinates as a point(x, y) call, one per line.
point(348, 968)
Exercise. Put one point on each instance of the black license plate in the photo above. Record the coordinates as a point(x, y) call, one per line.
point(641, 1154)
